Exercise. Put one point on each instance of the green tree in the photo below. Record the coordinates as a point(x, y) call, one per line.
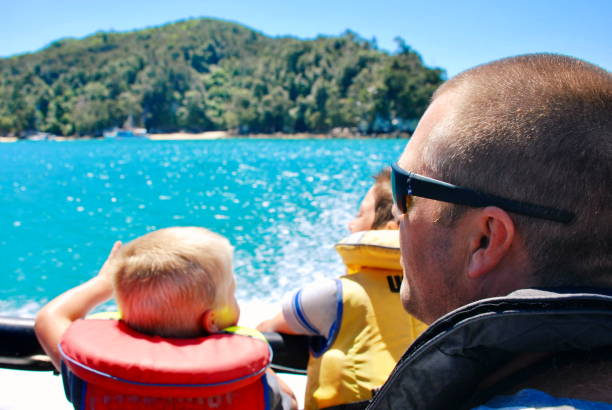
point(205, 74)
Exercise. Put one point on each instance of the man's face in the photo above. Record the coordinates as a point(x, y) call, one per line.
point(430, 257)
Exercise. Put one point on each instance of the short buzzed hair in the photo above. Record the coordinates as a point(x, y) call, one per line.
point(537, 128)
point(168, 278)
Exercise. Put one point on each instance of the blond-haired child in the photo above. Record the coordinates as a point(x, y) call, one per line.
point(171, 283)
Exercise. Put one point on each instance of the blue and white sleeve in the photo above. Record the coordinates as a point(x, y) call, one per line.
point(313, 309)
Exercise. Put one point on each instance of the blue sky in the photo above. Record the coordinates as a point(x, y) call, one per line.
point(454, 35)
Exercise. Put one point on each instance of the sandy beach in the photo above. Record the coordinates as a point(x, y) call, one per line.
point(215, 135)
point(184, 136)
point(343, 133)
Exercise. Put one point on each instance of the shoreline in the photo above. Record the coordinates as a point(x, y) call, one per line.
point(218, 135)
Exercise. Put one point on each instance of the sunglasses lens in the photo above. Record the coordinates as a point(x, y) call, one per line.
point(398, 187)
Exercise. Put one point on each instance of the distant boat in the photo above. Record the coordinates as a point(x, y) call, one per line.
point(126, 133)
point(40, 136)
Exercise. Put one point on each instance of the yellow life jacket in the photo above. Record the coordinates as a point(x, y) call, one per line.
point(373, 330)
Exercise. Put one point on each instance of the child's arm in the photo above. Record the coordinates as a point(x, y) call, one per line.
point(277, 324)
point(56, 316)
point(311, 310)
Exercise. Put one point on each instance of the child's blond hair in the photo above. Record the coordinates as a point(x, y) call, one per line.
point(168, 278)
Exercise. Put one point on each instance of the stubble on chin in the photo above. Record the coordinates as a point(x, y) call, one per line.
point(411, 303)
point(405, 295)
point(441, 292)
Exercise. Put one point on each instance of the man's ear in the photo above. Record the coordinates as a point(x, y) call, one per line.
point(209, 322)
point(490, 240)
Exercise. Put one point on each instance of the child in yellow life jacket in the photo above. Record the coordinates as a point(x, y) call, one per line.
point(362, 327)
point(176, 345)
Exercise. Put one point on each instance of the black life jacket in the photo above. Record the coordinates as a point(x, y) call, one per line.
point(444, 366)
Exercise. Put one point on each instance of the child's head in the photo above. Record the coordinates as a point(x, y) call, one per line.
point(177, 282)
point(375, 211)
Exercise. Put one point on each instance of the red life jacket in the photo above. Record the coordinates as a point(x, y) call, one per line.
point(124, 369)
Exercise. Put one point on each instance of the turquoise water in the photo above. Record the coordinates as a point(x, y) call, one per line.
point(282, 204)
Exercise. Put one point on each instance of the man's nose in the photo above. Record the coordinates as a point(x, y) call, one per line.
point(397, 214)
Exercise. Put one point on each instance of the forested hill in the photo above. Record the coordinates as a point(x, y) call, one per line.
point(204, 74)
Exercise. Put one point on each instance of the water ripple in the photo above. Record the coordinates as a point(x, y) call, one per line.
point(282, 204)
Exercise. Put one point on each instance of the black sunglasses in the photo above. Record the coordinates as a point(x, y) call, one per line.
point(406, 184)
